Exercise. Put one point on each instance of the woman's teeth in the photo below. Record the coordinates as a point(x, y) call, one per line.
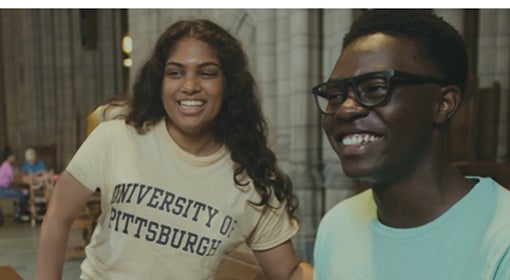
point(191, 103)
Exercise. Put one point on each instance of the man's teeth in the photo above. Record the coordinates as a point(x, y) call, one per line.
point(191, 103)
point(357, 139)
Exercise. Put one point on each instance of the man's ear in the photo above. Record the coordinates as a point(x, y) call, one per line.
point(448, 102)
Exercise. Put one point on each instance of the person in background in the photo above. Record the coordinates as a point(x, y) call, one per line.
point(32, 164)
point(6, 189)
point(185, 178)
point(386, 108)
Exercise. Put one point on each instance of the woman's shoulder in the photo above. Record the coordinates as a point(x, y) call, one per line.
point(117, 127)
point(112, 128)
point(113, 124)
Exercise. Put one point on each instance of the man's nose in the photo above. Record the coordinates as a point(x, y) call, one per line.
point(350, 108)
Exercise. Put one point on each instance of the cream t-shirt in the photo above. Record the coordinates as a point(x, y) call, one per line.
point(105, 113)
point(167, 214)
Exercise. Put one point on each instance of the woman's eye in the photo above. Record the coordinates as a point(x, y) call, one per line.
point(334, 97)
point(174, 73)
point(209, 74)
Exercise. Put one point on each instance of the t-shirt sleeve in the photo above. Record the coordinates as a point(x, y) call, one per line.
point(88, 163)
point(274, 227)
point(503, 270)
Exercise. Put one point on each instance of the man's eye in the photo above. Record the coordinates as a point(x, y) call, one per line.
point(375, 84)
point(377, 87)
point(334, 97)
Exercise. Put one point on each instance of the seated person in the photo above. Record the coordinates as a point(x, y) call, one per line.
point(32, 164)
point(6, 190)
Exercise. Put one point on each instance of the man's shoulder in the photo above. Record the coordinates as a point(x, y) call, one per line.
point(353, 206)
point(502, 193)
point(354, 201)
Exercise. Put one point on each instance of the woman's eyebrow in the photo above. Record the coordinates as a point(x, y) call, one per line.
point(204, 64)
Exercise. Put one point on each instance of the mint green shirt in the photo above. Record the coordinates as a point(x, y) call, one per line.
point(469, 241)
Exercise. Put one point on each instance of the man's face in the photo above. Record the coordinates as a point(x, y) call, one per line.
point(397, 135)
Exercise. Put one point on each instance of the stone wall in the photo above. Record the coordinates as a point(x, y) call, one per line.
point(50, 81)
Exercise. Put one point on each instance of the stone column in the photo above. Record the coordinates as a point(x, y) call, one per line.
point(337, 186)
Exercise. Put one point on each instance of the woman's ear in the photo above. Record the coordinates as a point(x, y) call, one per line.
point(449, 98)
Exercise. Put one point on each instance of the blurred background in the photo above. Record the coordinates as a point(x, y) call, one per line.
point(57, 65)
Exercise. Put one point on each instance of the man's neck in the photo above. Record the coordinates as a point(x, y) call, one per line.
point(412, 202)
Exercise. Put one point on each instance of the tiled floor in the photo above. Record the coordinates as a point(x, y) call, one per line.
point(18, 249)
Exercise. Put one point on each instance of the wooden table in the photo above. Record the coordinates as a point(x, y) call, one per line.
point(7, 273)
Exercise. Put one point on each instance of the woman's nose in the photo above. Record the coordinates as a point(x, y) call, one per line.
point(190, 85)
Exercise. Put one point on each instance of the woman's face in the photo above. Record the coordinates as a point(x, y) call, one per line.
point(192, 89)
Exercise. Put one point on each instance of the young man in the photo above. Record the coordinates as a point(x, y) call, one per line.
point(386, 106)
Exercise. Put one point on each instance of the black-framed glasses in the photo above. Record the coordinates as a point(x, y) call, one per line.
point(370, 89)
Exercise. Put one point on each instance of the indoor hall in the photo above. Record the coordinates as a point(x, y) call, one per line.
point(18, 244)
point(59, 65)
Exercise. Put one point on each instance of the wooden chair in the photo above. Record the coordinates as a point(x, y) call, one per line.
point(86, 222)
point(40, 189)
point(473, 135)
point(48, 154)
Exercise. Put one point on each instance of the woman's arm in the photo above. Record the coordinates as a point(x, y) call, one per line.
point(67, 200)
point(281, 262)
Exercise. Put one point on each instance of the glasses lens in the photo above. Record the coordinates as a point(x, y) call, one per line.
point(330, 96)
point(373, 90)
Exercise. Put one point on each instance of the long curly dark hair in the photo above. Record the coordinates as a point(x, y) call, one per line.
point(240, 123)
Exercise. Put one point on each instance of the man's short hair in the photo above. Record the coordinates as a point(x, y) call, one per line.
point(440, 42)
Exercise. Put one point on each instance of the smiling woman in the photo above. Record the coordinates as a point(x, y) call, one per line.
point(185, 178)
point(192, 94)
